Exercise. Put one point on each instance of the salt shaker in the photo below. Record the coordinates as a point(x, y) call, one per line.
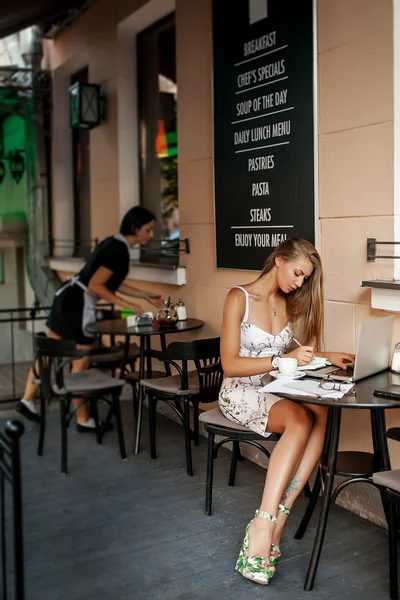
point(396, 358)
point(181, 310)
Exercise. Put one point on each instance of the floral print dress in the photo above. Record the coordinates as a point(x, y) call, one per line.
point(240, 399)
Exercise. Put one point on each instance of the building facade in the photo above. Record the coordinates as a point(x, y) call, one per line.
point(355, 149)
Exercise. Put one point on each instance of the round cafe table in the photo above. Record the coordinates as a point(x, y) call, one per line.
point(356, 467)
point(120, 327)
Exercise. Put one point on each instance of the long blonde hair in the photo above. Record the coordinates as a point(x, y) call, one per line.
point(305, 306)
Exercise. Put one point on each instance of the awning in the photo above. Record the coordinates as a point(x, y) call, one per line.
point(19, 14)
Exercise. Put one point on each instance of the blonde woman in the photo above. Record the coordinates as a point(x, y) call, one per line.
point(261, 320)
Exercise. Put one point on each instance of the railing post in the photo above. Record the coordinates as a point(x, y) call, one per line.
point(14, 431)
point(3, 529)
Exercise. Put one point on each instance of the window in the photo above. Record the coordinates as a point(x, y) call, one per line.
point(81, 182)
point(158, 144)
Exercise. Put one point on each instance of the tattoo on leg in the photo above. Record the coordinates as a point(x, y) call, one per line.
point(291, 489)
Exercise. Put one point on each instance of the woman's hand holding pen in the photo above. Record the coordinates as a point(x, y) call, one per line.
point(303, 354)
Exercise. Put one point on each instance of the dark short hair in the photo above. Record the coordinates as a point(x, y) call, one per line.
point(134, 219)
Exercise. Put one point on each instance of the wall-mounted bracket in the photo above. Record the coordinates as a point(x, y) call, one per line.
point(371, 249)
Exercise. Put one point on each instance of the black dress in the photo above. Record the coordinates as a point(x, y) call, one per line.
point(73, 305)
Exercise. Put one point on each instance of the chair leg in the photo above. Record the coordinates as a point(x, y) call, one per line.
point(42, 424)
point(196, 437)
point(120, 431)
point(234, 459)
point(210, 473)
point(186, 426)
point(312, 502)
point(393, 567)
point(64, 441)
point(93, 411)
point(307, 490)
point(152, 402)
point(141, 397)
point(135, 401)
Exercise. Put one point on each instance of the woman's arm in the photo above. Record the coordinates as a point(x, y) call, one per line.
point(98, 287)
point(233, 364)
point(128, 290)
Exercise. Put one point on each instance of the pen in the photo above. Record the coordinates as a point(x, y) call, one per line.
point(297, 342)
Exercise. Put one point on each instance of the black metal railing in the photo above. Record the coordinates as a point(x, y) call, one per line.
point(164, 252)
point(27, 320)
point(11, 502)
point(13, 367)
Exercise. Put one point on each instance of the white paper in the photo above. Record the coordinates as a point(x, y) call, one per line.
point(304, 387)
point(131, 321)
point(317, 363)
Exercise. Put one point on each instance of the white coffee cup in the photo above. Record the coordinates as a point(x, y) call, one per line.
point(287, 366)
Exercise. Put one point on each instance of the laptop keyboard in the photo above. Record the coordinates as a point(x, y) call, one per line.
point(349, 372)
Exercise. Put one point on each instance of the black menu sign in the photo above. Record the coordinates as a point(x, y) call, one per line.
point(263, 127)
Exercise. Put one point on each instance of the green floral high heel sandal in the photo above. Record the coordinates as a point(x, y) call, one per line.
point(273, 559)
point(255, 568)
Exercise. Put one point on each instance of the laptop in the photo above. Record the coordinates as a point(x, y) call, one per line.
point(374, 342)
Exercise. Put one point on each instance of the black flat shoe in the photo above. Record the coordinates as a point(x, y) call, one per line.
point(25, 412)
point(83, 429)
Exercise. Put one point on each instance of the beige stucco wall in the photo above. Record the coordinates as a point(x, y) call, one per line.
point(355, 161)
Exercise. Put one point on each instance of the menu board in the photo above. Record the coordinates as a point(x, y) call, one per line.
point(263, 81)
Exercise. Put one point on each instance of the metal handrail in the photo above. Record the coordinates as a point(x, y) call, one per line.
point(36, 314)
point(372, 243)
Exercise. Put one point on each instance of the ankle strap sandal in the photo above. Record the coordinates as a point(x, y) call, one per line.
point(265, 515)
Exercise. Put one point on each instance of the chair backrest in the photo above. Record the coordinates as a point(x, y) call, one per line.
point(202, 352)
point(10, 472)
point(49, 354)
point(210, 378)
point(52, 348)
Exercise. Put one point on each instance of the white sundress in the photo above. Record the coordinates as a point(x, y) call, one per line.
point(240, 399)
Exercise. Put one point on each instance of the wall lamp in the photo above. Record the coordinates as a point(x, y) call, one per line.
point(16, 164)
point(86, 105)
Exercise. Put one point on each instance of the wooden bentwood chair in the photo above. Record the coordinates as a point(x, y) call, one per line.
point(184, 389)
point(54, 358)
point(390, 481)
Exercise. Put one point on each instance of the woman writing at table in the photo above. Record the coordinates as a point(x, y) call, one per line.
point(261, 320)
point(74, 305)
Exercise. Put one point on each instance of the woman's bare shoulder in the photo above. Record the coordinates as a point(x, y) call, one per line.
point(236, 294)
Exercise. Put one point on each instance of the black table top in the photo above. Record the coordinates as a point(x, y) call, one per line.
point(119, 327)
point(362, 396)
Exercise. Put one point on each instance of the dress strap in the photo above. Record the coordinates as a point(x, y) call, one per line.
point(246, 293)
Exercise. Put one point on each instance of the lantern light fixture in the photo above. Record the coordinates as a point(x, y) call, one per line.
point(86, 105)
point(17, 165)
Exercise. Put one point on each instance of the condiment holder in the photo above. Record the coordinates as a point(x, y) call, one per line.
point(167, 316)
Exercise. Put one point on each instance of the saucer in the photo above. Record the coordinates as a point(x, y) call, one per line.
point(278, 375)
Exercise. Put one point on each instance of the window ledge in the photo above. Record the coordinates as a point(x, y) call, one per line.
point(170, 275)
point(385, 294)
